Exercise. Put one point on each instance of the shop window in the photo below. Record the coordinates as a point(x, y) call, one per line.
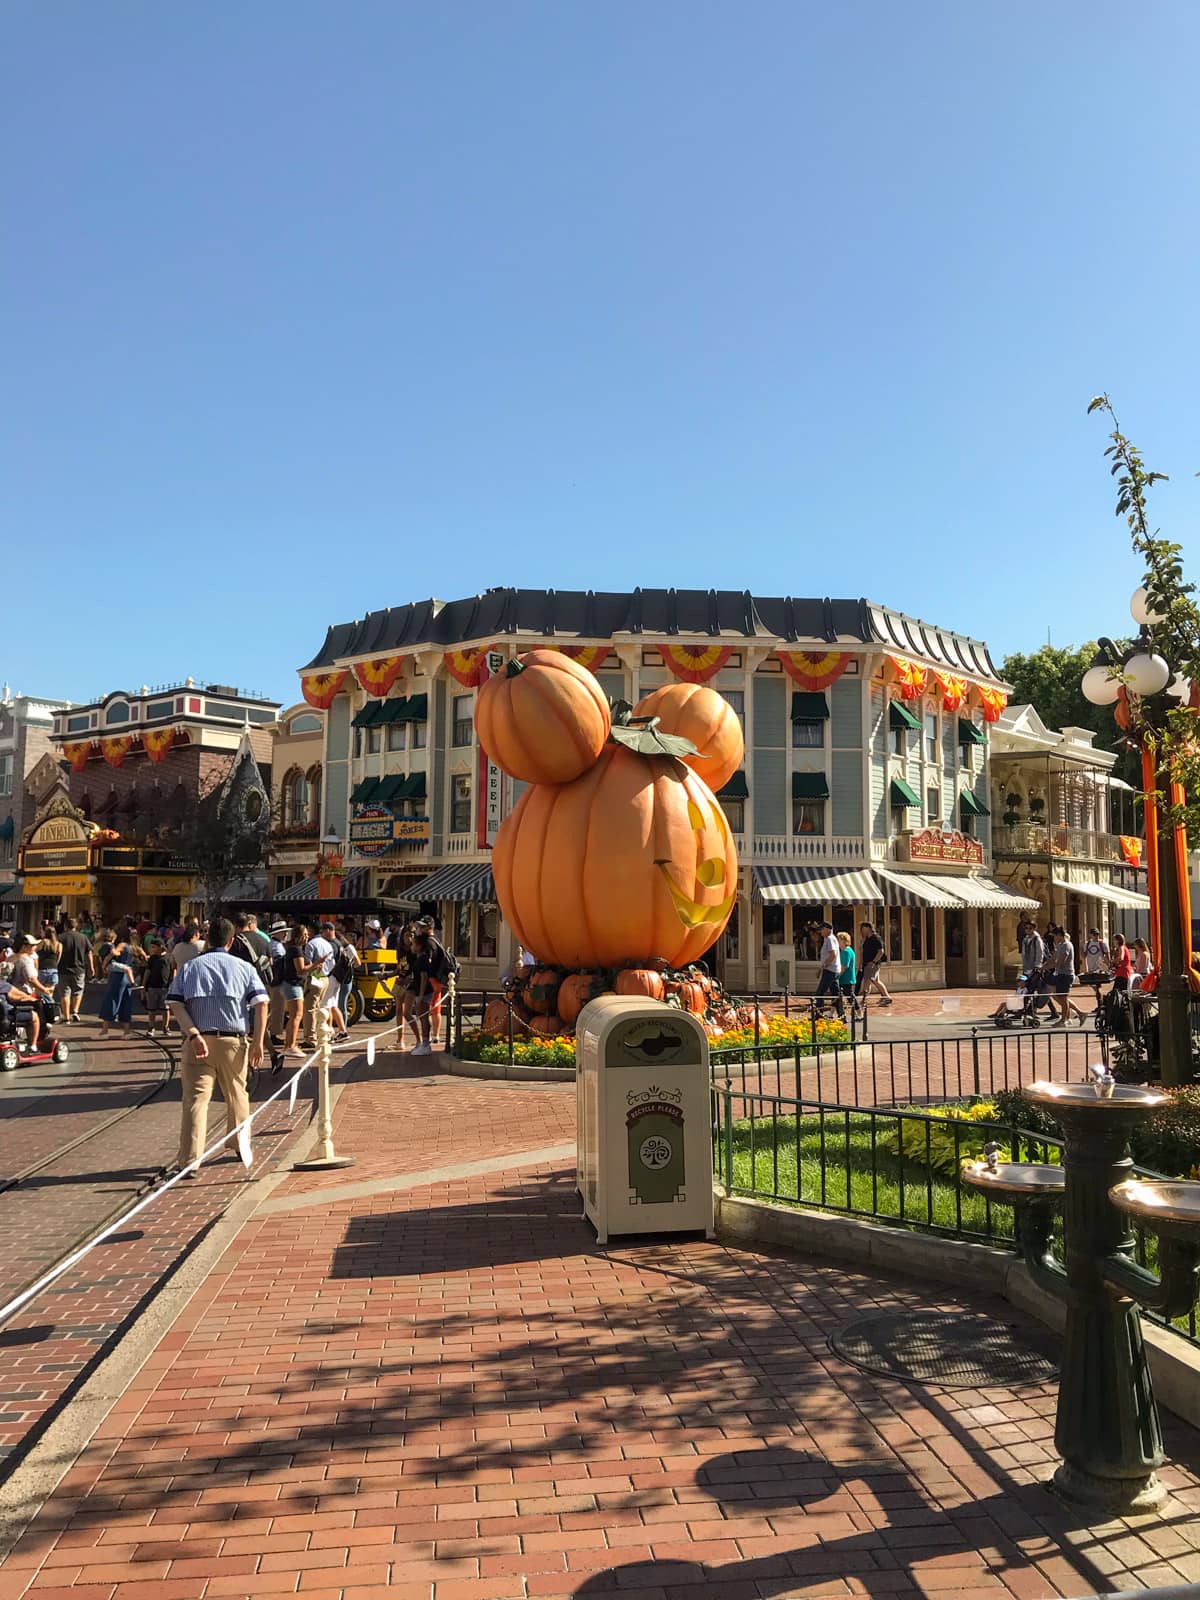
point(397, 735)
point(374, 738)
point(843, 920)
point(930, 939)
point(772, 927)
point(313, 810)
point(6, 852)
point(419, 733)
point(735, 815)
point(460, 805)
point(980, 935)
point(916, 928)
point(966, 757)
point(295, 798)
point(933, 803)
point(806, 932)
point(931, 736)
point(6, 774)
point(463, 728)
point(735, 699)
point(894, 937)
point(461, 933)
point(488, 926)
point(733, 939)
point(808, 816)
point(808, 735)
point(900, 742)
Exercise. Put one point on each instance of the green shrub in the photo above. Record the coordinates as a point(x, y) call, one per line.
point(1169, 1142)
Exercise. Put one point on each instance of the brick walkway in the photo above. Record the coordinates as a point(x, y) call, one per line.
point(443, 1390)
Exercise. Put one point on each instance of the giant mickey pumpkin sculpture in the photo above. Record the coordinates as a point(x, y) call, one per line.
point(630, 861)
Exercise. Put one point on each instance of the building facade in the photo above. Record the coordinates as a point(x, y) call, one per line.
point(26, 728)
point(1065, 831)
point(297, 757)
point(864, 795)
point(136, 761)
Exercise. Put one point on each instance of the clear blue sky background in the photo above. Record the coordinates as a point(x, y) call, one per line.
point(312, 308)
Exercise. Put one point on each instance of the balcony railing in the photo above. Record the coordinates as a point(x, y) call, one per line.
point(1048, 839)
point(808, 847)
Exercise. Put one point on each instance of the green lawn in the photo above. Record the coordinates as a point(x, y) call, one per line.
point(839, 1161)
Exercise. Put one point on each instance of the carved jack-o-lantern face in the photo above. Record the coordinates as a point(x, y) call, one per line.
point(632, 862)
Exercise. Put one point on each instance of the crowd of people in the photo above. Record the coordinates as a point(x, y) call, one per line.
point(846, 977)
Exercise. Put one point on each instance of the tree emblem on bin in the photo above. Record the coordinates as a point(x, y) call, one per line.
point(654, 1133)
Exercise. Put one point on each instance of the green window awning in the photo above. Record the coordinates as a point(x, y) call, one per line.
point(370, 716)
point(414, 787)
point(393, 709)
point(390, 788)
point(899, 793)
point(971, 806)
point(416, 708)
point(7, 827)
point(968, 733)
point(901, 719)
point(810, 786)
point(735, 789)
point(366, 792)
point(809, 707)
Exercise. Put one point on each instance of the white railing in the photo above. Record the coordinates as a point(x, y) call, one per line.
point(461, 844)
point(808, 847)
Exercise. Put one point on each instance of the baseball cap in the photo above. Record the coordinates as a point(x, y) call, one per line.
point(372, 922)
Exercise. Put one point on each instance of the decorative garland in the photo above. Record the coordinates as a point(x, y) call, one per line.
point(467, 666)
point(993, 702)
point(591, 656)
point(911, 677)
point(378, 676)
point(813, 669)
point(320, 689)
point(115, 749)
point(954, 691)
point(77, 754)
point(695, 663)
point(1131, 848)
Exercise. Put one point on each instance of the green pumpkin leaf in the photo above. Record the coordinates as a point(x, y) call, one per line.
point(642, 736)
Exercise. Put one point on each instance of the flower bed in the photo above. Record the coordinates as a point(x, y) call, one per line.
point(528, 1050)
point(558, 1050)
point(786, 1034)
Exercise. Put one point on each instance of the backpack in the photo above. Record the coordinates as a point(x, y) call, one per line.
point(343, 967)
point(444, 965)
point(245, 950)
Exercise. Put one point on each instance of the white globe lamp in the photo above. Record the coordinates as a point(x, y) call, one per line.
point(1180, 688)
point(1099, 686)
point(1147, 674)
point(1139, 609)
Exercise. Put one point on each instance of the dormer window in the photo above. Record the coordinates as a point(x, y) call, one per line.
point(117, 712)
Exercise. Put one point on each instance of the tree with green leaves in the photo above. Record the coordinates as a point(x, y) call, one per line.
point(1049, 680)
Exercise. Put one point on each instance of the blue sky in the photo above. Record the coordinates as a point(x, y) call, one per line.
point(314, 308)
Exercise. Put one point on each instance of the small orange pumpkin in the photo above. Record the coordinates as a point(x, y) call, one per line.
point(642, 981)
point(495, 1017)
point(550, 1027)
point(698, 713)
point(544, 719)
point(541, 992)
point(692, 997)
point(575, 992)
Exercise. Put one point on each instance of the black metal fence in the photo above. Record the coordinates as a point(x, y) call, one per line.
point(893, 1166)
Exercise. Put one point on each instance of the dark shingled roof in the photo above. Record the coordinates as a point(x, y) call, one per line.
point(594, 615)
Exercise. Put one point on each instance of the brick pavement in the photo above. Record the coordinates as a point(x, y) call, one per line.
point(448, 1392)
point(48, 1350)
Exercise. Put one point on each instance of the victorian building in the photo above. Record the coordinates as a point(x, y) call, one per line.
point(297, 754)
point(865, 793)
point(135, 764)
point(26, 727)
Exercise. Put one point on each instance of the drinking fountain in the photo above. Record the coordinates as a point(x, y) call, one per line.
point(1107, 1429)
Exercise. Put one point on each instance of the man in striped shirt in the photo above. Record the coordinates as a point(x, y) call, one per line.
point(221, 1007)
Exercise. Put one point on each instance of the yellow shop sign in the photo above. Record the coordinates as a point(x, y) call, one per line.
point(51, 884)
point(164, 883)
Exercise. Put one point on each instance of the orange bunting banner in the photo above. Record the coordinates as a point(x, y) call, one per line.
point(157, 742)
point(910, 678)
point(954, 691)
point(468, 667)
point(115, 750)
point(1131, 848)
point(812, 669)
point(378, 676)
point(993, 702)
point(321, 689)
point(591, 656)
point(77, 754)
point(695, 663)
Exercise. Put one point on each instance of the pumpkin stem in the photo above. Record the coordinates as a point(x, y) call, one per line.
point(514, 668)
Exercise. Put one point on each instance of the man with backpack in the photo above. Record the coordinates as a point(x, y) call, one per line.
point(434, 968)
point(346, 963)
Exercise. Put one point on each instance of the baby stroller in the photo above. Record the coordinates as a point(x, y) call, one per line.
point(1020, 1009)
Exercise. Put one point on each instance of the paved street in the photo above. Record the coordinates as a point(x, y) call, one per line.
point(420, 1378)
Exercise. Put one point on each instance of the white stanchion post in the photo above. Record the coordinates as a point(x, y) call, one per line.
point(324, 1158)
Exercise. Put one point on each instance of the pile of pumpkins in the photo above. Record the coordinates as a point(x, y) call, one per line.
point(547, 1001)
point(617, 856)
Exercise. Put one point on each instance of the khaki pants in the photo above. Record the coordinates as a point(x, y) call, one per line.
point(225, 1066)
point(275, 1014)
point(314, 994)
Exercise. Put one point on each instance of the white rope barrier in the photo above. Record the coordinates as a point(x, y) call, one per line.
point(242, 1135)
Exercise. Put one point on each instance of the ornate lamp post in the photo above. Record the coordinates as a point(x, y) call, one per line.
point(1143, 673)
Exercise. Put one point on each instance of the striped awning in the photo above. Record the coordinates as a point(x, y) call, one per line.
point(306, 889)
point(911, 889)
point(468, 881)
point(817, 885)
point(985, 894)
point(354, 884)
point(1113, 893)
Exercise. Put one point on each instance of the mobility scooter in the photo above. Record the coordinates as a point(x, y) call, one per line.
point(14, 1035)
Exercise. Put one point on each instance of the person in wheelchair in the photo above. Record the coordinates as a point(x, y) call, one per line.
point(19, 1008)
